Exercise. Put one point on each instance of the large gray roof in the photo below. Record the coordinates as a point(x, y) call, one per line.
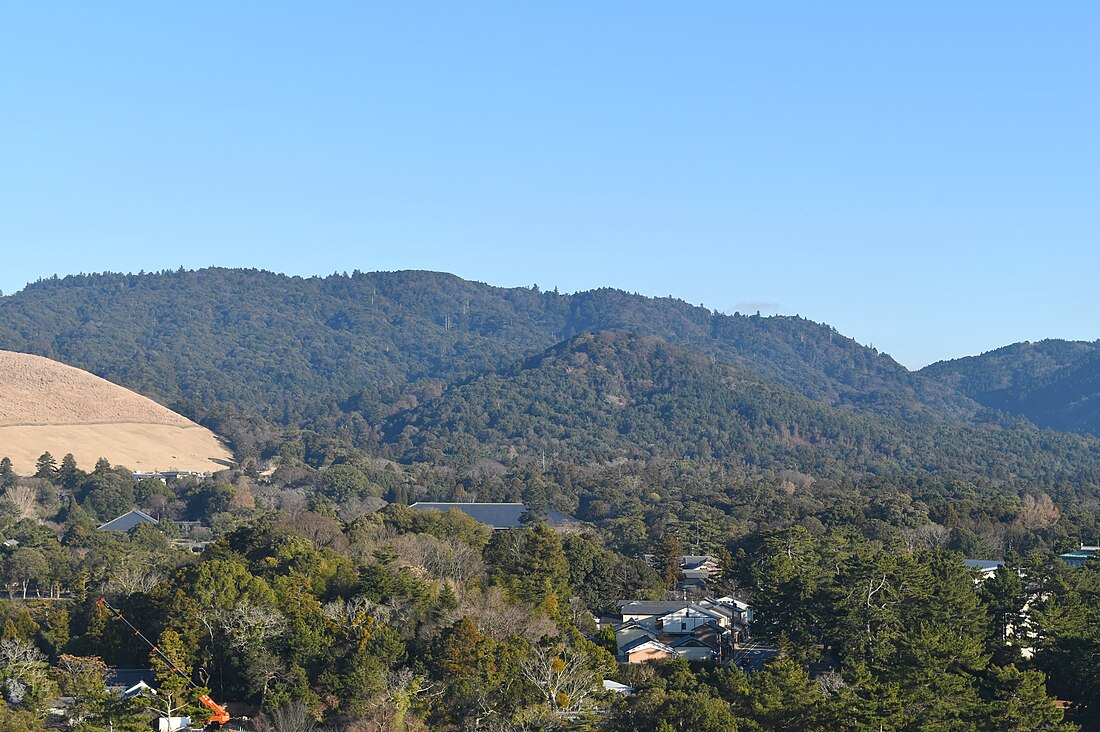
point(127, 521)
point(663, 607)
point(494, 515)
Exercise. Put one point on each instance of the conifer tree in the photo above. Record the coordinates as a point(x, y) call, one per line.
point(46, 467)
point(8, 478)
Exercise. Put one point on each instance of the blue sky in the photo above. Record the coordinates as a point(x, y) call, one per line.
point(923, 176)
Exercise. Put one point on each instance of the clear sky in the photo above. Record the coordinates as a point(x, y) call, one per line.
point(923, 176)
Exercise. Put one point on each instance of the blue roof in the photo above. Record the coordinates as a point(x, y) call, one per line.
point(125, 678)
point(983, 565)
point(1078, 558)
point(494, 515)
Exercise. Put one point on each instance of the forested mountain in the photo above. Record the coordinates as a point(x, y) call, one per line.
point(611, 396)
point(838, 492)
point(287, 347)
point(1054, 383)
point(429, 367)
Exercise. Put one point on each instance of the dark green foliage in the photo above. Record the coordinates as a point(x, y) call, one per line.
point(69, 476)
point(46, 467)
point(601, 578)
point(341, 482)
point(826, 476)
point(1053, 383)
point(283, 347)
point(8, 478)
point(1068, 613)
point(530, 563)
point(107, 492)
point(899, 631)
point(615, 396)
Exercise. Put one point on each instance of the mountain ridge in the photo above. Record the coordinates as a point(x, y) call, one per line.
point(367, 339)
point(1053, 383)
point(601, 397)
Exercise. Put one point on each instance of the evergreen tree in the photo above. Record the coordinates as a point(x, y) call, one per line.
point(1004, 598)
point(530, 563)
point(1019, 703)
point(46, 467)
point(8, 478)
point(174, 686)
point(68, 475)
point(669, 560)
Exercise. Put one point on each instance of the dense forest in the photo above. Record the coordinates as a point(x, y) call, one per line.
point(313, 608)
point(1053, 383)
point(839, 491)
point(284, 347)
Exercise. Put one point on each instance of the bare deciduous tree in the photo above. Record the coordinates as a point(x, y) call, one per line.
point(496, 617)
point(929, 536)
point(250, 626)
point(386, 708)
point(23, 666)
point(356, 611)
point(358, 506)
point(442, 559)
point(25, 500)
point(289, 718)
point(831, 683)
point(130, 577)
point(565, 681)
point(263, 669)
point(1038, 513)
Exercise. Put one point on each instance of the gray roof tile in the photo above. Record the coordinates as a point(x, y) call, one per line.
point(495, 515)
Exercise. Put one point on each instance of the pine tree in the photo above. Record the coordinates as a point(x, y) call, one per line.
point(57, 630)
point(669, 560)
point(1020, 702)
point(46, 467)
point(8, 478)
point(68, 475)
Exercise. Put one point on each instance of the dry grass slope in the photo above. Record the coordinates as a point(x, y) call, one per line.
point(46, 405)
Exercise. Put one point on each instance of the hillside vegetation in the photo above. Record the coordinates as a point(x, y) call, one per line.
point(621, 396)
point(288, 348)
point(837, 491)
point(428, 368)
point(1053, 383)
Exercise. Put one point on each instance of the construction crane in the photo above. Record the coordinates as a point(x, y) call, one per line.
point(218, 714)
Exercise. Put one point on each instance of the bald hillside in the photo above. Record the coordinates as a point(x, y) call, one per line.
point(48, 406)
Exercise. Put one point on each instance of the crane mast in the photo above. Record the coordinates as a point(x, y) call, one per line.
point(218, 714)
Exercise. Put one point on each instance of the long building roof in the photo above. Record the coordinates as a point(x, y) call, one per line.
point(494, 515)
point(127, 521)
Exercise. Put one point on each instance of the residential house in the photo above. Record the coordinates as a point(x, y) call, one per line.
point(645, 649)
point(703, 630)
point(673, 616)
point(696, 571)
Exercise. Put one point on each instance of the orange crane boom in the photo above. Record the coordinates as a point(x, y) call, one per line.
point(218, 714)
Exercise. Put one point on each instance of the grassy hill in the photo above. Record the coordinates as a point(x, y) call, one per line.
point(48, 406)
